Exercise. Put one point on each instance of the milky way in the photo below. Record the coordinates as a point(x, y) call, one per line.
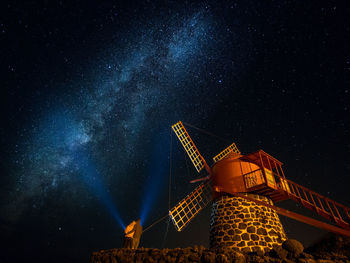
point(91, 90)
point(109, 118)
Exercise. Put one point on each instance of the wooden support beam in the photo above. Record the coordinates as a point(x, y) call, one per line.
point(298, 217)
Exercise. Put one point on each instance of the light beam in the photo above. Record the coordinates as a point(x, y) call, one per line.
point(157, 175)
point(92, 178)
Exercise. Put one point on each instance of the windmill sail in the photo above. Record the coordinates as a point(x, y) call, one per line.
point(224, 153)
point(191, 205)
point(186, 141)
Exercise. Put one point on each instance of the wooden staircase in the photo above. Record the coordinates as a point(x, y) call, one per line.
point(325, 207)
point(282, 189)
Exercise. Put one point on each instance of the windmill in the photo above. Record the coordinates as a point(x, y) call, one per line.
point(243, 190)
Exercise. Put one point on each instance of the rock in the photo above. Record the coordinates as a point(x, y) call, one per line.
point(245, 236)
point(258, 251)
point(208, 257)
point(278, 252)
point(242, 226)
point(252, 257)
point(327, 251)
point(305, 255)
point(306, 260)
point(262, 231)
point(251, 229)
point(221, 258)
point(194, 257)
point(293, 246)
point(254, 237)
point(236, 238)
point(330, 243)
point(237, 257)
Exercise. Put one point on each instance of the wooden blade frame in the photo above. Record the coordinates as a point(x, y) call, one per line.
point(191, 205)
point(224, 153)
point(186, 141)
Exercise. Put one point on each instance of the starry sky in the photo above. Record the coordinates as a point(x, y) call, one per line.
point(90, 90)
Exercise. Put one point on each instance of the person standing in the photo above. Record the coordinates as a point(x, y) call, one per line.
point(129, 233)
point(137, 235)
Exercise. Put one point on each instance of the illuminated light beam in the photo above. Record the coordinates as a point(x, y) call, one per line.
point(157, 175)
point(92, 178)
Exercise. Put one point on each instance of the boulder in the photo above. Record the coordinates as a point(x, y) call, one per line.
point(278, 252)
point(293, 246)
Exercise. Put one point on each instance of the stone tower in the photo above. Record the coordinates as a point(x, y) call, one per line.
point(238, 223)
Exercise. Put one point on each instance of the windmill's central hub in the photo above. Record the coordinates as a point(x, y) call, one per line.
point(228, 174)
point(239, 223)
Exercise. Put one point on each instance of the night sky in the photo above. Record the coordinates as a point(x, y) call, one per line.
point(89, 91)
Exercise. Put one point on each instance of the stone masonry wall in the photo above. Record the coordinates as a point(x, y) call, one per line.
point(238, 223)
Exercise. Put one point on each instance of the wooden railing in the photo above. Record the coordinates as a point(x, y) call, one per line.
point(324, 206)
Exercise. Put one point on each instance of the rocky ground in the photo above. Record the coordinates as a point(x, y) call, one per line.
point(331, 249)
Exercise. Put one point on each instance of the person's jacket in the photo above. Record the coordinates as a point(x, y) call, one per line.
point(130, 230)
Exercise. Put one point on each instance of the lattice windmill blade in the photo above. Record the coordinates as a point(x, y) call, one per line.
point(191, 205)
point(224, 153)
point(191, 149)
